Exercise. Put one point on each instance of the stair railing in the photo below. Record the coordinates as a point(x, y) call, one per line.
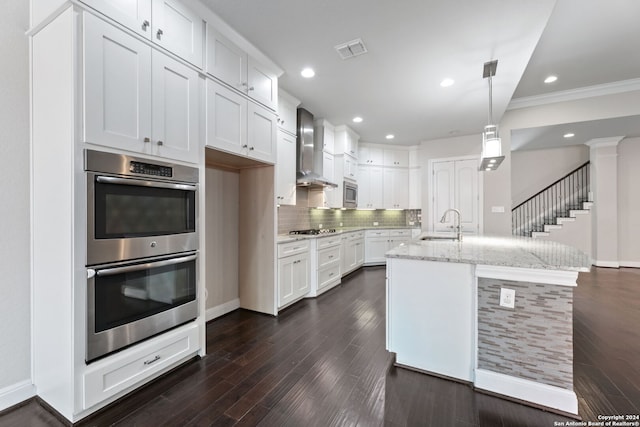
point(554, 201)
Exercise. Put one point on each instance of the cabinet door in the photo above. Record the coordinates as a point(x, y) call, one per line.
point(175, 109)
point(350, 256)
point(396, 191)
point(370, 183)
point(375, 249)
point(350, 168)
point(226, 61)
point(359, 250)
point(133, 14)
point(415, 188)
point(286, 169)
point(117, 87)
point(371, 156)
point(396, 158)
point(226, 118)
point(178, 29)
point(262, 84)
point(302, 276)
point(286, 278)
point(262, 131)
point(286, 115)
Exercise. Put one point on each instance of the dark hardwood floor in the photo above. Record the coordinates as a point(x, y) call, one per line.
point(322, 363)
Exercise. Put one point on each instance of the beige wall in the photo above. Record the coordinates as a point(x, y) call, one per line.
point(629, 202)
point(221, 239)
point(15, 313)
point(533, 170)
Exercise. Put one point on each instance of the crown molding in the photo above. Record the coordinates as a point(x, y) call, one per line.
point(575, 94)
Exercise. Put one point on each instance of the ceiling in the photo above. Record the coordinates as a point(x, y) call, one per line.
point(395, 87)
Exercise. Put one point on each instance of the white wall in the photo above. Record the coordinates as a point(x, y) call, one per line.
point(629, 202)
point(15, 335)
point(533, 170)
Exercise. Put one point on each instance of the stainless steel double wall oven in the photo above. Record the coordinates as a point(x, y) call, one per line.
point(142, 243)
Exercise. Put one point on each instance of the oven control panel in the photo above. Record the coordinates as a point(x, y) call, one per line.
point(150, 169)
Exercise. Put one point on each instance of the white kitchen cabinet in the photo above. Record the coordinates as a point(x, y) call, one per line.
point(137, 98)
point(396, 188)
point(225, 60)
point(396, 158)
point(370, 156)
point(287, 112)
point(239, 126)
point(325, 132)
point(326, 263)
point(370, 185)
point(352, 251)
point(262, 84)
point(167, 23)
point(346, 141)
point(293, 272)
point(285, 169)
point(350, 167)
point(378, 242)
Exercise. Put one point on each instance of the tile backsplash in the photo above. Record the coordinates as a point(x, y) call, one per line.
point(301, 217)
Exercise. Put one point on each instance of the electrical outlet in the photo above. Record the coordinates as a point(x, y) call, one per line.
point(340, 224)
point(375, 222)
point(412, 223)
point(507, 298)
point(319, 225)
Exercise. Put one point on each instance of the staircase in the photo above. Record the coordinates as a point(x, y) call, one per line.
point(563, 202)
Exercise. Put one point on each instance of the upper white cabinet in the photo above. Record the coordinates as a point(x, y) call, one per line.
point(350, 167)
point(396, 158)
point(239, 126)
point(168, 23)
point(230, 64)
point(346, 141)
point(396, 188)
point(370, 186)
point(325, 132)
point(371, 156)
point(285, 169)
point(136, 98)
point(287, 112)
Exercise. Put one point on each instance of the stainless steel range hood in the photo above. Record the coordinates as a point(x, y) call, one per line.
point(309, 154)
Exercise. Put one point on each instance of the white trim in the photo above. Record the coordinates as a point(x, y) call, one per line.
point(632, 264)
point(610, 264)
point(222, 309)
point(530, 391)
point(16, 393)
point(611, 141)
point(552, 277)
point(575, 94)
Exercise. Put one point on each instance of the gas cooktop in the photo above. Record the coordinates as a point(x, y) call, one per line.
point(314, 231)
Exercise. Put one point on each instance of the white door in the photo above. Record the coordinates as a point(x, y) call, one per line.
point(226, 119)
point(178, 29)
point(133, 14)
point(262, 84)
point(286, 169)
point(117, 87)
point(455, 186)
point(226, 61)
point(175, 109)
point(262, 131)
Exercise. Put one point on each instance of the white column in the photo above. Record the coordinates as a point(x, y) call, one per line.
point(604, 187)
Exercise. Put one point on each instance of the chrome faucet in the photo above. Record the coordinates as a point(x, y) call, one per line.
point(458, 227)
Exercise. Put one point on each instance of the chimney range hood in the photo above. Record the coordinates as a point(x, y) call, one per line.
point(309, 154)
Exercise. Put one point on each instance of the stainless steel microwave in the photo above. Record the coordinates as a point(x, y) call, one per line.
point(350, 195)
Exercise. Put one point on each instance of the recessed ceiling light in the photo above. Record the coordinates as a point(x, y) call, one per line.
point(447, 82)
point(390, 136)
point(551, 79)
point(307, 73)
point(357, 119)
point(569, 135)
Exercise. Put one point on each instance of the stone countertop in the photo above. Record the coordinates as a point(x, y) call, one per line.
point(285, 238)
point(522, 252)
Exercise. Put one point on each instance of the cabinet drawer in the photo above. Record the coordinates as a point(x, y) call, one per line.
point(356, 235)
point(328, 256)
point(377, 233)
point(400, 233)
point(292, 248)
point(328, 275)
point(110, 376)
point(325, 242)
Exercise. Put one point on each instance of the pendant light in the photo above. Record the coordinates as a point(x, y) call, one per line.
point(491, 143)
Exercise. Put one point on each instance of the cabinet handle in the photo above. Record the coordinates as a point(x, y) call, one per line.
point(159, 33)
point(250, 148)
point(145, 25)
point(331, 274)
point(245, 146)
point(154, 360)
point(330, 256)
point(251, 88)
point(160, 143)
point(147, 139)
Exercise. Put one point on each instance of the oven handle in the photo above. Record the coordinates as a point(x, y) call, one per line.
point(146, 266)
point(141, 182)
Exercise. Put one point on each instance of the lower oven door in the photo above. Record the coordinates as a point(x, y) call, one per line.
point(129, 302)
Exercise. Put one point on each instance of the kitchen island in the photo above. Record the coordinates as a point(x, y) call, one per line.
point(492, 311)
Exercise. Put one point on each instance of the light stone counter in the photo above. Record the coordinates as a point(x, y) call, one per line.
point(519, 252)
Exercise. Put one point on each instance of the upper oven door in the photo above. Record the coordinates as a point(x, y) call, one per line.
point(129, 218)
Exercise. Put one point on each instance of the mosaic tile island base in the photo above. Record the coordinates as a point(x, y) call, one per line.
point(449, 314)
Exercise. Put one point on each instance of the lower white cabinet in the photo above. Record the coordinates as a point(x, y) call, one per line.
point(326, 263)
point(352, 251)
point(293, 272)
point(112, 375)
point(379, 242)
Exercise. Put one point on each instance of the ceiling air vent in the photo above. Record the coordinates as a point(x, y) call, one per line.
point(350, 49)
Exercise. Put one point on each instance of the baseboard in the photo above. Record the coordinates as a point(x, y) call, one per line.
point(632, 264)
point(528, 391)
point(16, 393)
point(222, 309)
point(609, 264)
